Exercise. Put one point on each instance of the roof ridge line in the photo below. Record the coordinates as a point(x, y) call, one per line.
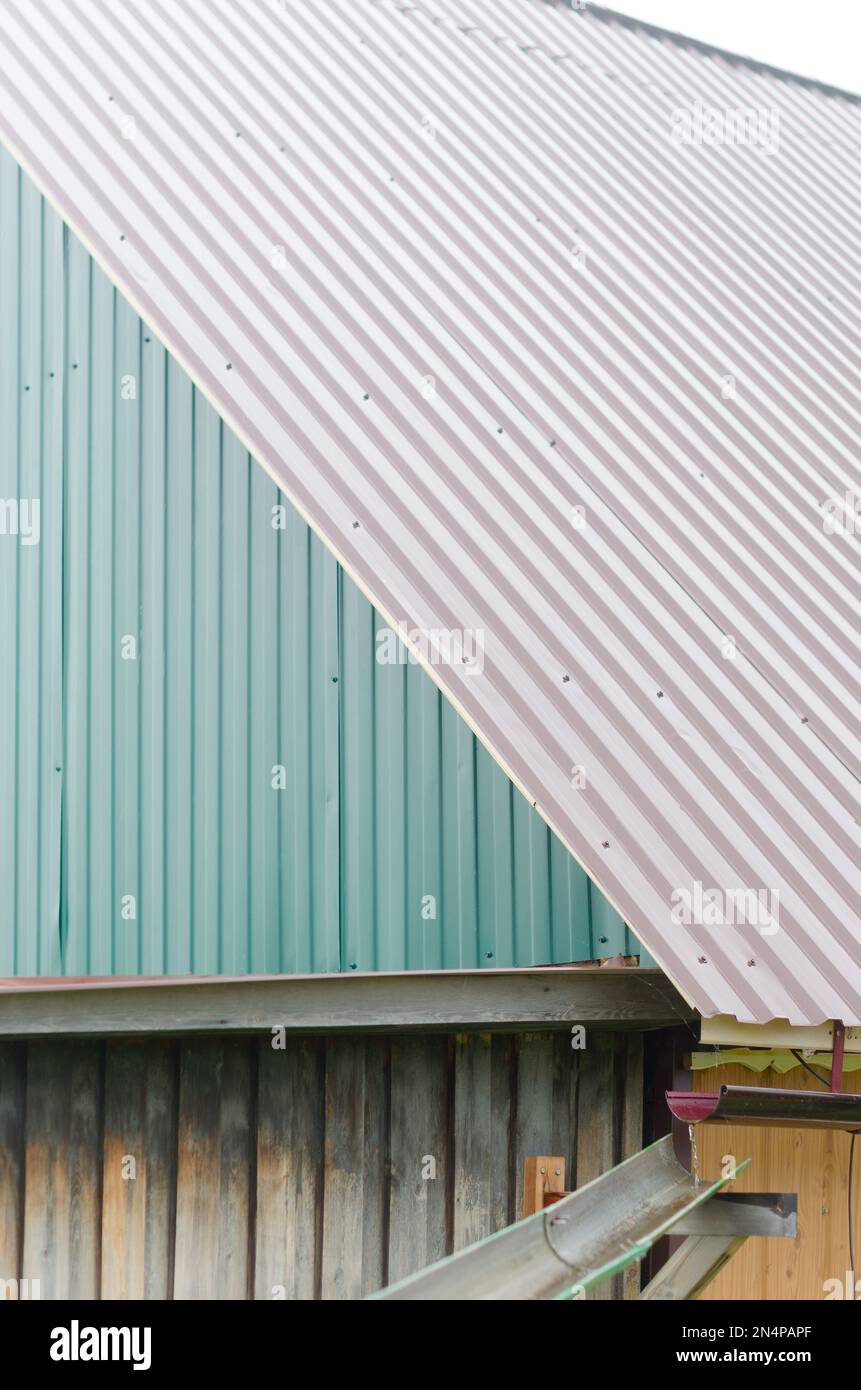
point(627, 21)
point(446, 9)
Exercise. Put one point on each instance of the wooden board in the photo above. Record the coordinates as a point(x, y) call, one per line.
point(420, 1159)
point(597, 1122)
point(62, 1179)
point(297, 1172)
point(484, 1097)
point(13, 1071)
point(536, 1092)
point(811, 1163)
point(289, 1206)
point(629, 1056)
point(355, 1167)
point(215, 1177)
point(139, 1169)
point(543, 1174)
point(410, 1001)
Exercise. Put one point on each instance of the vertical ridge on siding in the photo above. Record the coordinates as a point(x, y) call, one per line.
point(397, 844)
point(445, 823)
point(31, 412)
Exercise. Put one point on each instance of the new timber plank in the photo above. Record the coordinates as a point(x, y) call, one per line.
point(62, 1186)
point(290, 1126)
point(215, 1169)
point(420, 1175)
point(139, 1185)
point(355, 1151)
point(13, 1064)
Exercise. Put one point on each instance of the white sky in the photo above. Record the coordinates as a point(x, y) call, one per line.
point(816, 38)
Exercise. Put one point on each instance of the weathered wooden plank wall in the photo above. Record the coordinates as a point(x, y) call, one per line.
point(213, 1168)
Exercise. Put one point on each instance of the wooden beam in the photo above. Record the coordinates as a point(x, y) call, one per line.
point(444, 1001)
point(542, 1177)
point(692, 1268)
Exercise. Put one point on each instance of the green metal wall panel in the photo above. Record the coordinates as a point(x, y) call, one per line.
point(144, 776)
point(31, 631)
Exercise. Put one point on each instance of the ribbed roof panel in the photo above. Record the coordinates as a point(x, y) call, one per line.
point(530, 367)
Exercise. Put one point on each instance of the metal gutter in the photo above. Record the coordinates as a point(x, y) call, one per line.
point(768, 1106)
point(585, 1238)
point(443, 1000)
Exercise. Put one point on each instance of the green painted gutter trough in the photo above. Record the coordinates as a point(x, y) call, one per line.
point(566, 1250)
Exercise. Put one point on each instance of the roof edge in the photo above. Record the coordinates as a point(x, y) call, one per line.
point(605, 15)
point(627, 21)
point(515, 999)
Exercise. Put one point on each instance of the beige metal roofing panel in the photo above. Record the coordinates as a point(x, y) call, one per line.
point(444, 269)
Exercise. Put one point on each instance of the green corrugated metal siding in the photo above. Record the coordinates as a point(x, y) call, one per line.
point(151, 777)
point(31, 452)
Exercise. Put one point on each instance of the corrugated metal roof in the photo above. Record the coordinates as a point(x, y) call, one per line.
point(447, 273)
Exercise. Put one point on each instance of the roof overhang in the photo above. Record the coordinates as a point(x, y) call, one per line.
point(323, 210)
point(428, 1001)
point(721, 1030)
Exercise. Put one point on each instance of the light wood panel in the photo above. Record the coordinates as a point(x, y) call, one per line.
point(813, 1164)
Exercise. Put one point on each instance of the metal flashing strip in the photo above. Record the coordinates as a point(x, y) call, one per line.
point(779, 1033)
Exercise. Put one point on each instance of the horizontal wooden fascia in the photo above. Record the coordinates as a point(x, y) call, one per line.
point(445, 1000)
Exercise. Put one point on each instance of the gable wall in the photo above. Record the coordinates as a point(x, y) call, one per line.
point(151, 778)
